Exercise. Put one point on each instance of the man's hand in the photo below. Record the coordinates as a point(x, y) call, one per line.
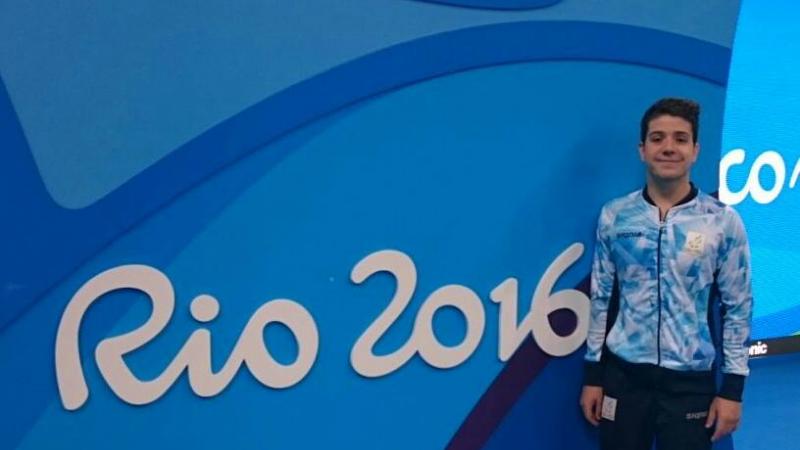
point(726, 413)
point(592, 403)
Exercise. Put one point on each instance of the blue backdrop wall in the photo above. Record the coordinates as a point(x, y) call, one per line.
point(334, 155)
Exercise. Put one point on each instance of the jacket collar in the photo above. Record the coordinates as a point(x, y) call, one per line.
point(689, 197)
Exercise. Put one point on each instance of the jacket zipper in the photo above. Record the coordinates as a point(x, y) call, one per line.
point(662, 223)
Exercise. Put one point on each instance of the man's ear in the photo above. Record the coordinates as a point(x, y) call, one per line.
point(641, 151)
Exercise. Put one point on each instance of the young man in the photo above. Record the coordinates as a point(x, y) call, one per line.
point(663, 255)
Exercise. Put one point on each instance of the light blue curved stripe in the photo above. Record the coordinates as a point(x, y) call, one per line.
point(108, 88)
point(81, 232)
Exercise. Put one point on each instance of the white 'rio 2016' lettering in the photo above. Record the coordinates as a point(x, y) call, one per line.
point(422, 339)
point(753, 186)
point(195, 355)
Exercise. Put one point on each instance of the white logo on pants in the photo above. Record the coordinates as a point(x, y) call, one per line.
point(609, 408)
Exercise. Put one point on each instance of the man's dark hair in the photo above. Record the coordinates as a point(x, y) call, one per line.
point(686, 109)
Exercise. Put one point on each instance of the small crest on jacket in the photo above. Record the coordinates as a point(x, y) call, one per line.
point(695, 242)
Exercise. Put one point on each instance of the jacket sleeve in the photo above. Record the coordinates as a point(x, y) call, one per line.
point(733, 280)
point(602, 284)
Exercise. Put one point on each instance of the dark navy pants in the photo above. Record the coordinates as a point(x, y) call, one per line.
point(644, 404)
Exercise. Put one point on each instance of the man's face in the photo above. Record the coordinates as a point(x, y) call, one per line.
point(668, 149)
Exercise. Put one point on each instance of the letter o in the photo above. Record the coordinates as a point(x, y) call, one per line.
point(775, 161)
point(260, 362)
point(430, 349)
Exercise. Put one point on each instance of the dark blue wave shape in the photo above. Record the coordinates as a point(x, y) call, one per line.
point(510, 384)
point(45, 242)
point(514, 5)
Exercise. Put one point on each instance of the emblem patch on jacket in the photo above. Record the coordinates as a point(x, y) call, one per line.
point(695, 242)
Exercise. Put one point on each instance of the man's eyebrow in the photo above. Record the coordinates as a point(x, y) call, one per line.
point(661, 133)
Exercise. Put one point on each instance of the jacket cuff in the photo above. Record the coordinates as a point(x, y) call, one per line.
point(592, 373)
point(732, 387)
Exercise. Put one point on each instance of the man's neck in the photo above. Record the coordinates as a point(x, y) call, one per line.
point(666, 193)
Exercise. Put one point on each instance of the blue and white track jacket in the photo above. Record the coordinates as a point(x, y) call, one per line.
point(667, 272)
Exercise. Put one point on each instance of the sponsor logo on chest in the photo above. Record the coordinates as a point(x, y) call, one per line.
point(630, 234)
